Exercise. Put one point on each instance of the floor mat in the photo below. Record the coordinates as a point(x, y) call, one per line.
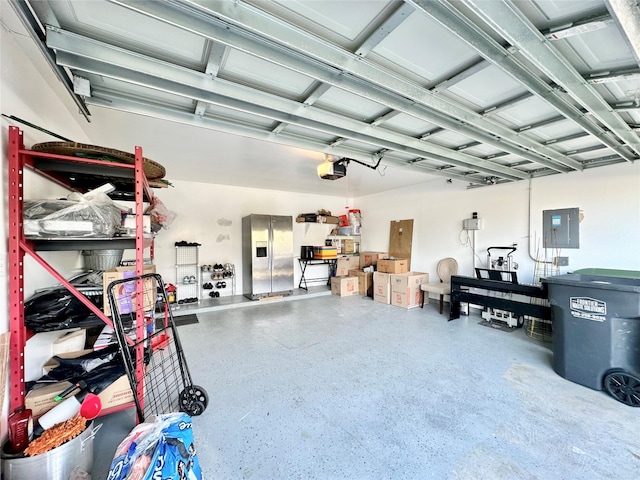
point(179, 321)
point(497, 325)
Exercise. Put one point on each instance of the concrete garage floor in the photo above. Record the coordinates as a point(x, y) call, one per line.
point(346, 388)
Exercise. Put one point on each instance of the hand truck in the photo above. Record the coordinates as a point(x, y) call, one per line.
point(151, 350)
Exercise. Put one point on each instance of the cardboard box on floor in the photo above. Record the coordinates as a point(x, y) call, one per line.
point(365, 282)
point(381, 287)
point(368, 259)
point(405, 289)
point(393, 265)
point(344, 286)
point(126, 292)
point(344, 264)
point(41, 400)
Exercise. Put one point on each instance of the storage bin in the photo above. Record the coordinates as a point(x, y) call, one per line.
point(102, 259)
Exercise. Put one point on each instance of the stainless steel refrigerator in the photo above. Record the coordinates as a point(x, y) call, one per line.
point(267, 256)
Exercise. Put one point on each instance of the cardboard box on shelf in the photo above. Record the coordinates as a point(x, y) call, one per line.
point(365, 282)
point(405, 289)
point(126, 292)
point(381, 287)
point(349, 246)
point(371, 258)
point(315, 218)
point(393, 265)
point(41, 400)
point(344, 264)
point(329, 219)
point(344, 286)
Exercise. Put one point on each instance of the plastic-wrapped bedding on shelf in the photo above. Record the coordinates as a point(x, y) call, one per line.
point(77, 216)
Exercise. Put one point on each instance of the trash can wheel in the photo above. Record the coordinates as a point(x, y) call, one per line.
point(194, 400)
point(624, 387)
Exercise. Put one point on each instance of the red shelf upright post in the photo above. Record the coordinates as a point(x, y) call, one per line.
point(16, 272)
point(140, 316)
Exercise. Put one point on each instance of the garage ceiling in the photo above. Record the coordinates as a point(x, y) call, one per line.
point(481, 91)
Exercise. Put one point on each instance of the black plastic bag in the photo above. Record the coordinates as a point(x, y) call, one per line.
point(57, 309)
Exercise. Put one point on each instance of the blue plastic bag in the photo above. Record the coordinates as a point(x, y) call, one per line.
point(160, 450)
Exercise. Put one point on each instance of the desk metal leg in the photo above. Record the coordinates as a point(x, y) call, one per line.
point(333, 266)
point(303, 267)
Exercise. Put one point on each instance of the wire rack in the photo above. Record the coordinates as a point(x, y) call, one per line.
point(154, 359)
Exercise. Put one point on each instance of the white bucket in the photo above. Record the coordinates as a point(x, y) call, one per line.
point(56, 464)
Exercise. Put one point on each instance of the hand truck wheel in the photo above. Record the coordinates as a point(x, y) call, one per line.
point(194, 408)
point(624, 387)
point(194, 400)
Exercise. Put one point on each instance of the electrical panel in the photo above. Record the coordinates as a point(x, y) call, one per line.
point(561, 228)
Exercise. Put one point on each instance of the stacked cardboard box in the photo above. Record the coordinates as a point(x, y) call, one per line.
point(365, 282)
point(405, 289)
point(381, 287)
point(125, 293)
point(368, 259)
point(344, 286)
point(393, 265)
point(344, 264)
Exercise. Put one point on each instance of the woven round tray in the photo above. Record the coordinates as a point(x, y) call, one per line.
point(152, 170)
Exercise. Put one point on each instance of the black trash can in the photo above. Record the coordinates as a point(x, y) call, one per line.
point(596, 332)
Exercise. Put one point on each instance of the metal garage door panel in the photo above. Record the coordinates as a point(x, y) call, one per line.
point(524, 113)
point(239, 117)
point(111, 23)
point(309, 133)
point(409, 125)
point(447, 138)
point(353, 106)
point(600, 50)
point(490, 86)
point(101, 84)
point(320, 16)
point(266, 76)
point(406, 47)
point(554, 130)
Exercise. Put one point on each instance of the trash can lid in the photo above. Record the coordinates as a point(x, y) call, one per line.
point(596, 281)
point(609, 272)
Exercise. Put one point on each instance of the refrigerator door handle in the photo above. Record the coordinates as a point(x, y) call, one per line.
point(271, 247)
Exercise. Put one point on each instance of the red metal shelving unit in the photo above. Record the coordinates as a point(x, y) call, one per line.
point(19, 246)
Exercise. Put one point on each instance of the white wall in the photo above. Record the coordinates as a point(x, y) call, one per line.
point(212, 216)
point(609, 233)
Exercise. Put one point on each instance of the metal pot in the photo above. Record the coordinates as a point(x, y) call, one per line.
point(56, 464)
